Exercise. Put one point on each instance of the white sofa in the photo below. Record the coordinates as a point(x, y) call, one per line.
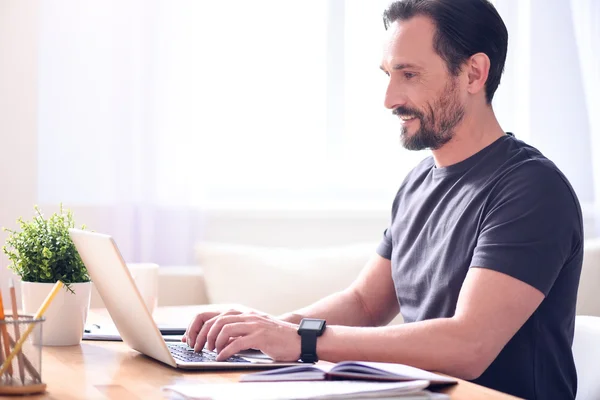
point(271, 279)
point(588, 296)
point(275, 279)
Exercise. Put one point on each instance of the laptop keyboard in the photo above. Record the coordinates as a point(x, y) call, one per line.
point(182, 352)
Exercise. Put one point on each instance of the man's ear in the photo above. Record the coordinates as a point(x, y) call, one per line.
point(478, 69)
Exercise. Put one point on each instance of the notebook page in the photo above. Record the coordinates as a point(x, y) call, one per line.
point(302, 372)
point(399, 370)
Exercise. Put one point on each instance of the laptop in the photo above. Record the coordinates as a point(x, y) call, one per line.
point(114, 283)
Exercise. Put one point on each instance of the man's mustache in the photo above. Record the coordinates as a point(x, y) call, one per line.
point(407, 111)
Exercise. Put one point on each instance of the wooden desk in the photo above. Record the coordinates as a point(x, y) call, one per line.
point(111, 370)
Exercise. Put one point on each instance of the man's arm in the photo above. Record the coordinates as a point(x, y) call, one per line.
point(491, 308)
point(370, 300)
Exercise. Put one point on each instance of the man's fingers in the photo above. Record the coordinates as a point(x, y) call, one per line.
point(201, 338)
point(192, 331)
point(231, 331)
point(237, 345)
point(216, 327)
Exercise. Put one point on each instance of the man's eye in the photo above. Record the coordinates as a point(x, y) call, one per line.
point(409, 75)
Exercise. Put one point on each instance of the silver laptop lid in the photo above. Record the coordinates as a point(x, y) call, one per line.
point(117, 288)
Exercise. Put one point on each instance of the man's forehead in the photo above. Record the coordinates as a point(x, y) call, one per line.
point(409, 41)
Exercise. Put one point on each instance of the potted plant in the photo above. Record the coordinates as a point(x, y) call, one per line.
point(42, 253)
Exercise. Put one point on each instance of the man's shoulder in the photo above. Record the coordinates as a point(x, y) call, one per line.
point(536, 183)
point(535, 172)
point(523, 163)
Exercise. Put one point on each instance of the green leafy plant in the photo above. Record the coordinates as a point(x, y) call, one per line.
point(42, 251)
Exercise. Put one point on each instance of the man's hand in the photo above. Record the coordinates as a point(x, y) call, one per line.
point(232, 331)
point(208, 317)
point(230, 334)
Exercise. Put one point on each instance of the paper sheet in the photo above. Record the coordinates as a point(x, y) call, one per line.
point(297, 390)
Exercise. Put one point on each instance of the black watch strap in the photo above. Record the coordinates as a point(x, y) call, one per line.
point(308, 347)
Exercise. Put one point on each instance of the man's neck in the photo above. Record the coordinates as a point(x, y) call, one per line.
point(472, 135)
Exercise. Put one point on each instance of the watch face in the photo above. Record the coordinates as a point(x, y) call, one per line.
point(312, 324)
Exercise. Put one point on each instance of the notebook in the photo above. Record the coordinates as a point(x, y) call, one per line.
point(109, 332)
point(372, 371)
point(412, 390)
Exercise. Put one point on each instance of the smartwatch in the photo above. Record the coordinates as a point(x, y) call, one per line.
point(309, 330)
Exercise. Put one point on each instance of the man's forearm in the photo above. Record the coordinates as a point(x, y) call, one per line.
point(341, 308)
point(440, 345)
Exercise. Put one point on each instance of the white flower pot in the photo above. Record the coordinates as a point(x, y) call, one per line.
point(66, 315)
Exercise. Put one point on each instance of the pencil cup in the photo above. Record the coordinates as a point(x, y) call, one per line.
point(23, 374)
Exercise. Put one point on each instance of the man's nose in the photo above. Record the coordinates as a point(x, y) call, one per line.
point(394, 96)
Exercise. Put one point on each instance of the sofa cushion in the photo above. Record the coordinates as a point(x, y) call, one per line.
point(588, 300)
point(278, 280)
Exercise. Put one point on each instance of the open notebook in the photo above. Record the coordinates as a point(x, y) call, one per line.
point(356, 370)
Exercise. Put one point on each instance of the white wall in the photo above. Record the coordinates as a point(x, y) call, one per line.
point(18, 116)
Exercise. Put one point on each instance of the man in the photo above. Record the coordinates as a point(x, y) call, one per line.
point(484, 249)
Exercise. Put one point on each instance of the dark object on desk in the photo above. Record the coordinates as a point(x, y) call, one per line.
point(110, 332)
point(171, 330)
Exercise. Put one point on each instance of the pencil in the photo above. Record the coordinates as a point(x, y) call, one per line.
point(15, 313)
point(38, 315)
point(5, 337)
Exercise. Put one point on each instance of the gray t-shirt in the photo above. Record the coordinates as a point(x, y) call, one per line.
point(509, 209)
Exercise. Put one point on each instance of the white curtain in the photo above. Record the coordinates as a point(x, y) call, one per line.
point(586, 20)
point(551, 86)
point(152, 112)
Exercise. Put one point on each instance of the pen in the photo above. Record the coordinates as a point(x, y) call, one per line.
point(15, 313)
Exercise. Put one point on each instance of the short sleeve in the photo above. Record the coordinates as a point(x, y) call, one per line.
point(385, 246)
point(531, 226)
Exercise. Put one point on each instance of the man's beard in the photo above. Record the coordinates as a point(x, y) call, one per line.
point(437, 127)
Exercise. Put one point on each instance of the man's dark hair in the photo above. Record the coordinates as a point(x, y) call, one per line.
point(463, 28)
